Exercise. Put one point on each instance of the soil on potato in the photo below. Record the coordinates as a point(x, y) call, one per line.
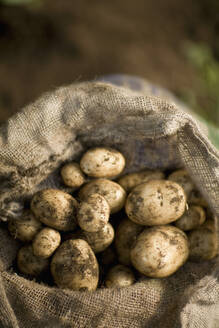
point(60, 42)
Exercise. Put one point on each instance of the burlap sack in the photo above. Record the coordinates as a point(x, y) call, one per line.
point(152, 133)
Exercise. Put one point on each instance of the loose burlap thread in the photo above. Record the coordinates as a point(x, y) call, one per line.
point(151, 132)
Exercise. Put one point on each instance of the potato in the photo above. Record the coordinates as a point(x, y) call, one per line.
point(131, 180)
point(30, 264)
point(93, 213)
point(156, 202)
point(102, 162)
point(183, 179)
point(72, 175)
point(100, 239)
point(197, 199)
point(160, 251)
point(119, 276)
point(191, 219)
point(46, 242)
point(55, 208)
point(75, 266)
point(203, 243)
point(25, 227)
point(210, 224)
point(209, 213)
point(125, 235)
point(114, 194)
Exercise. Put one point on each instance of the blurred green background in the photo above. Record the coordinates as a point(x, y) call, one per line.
point(48, 43)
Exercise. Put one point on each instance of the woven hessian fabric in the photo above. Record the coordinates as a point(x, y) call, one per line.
point(151, 132)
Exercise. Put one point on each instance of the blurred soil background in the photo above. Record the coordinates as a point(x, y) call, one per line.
point(48, 43)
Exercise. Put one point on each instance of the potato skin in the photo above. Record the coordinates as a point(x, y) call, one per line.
point(196, 198)
point(114, 194)
point(74, 266)
point(210, 224)
point(25, 227)
point(100, 239)
point(191, 219)
point(203, 243)
point(125, 236)
point(72, 175)
point(30, 264)
point(131, 180)
point(93, 213)
point(119, 276)
point(159, 251)
point(102, 162)
point(183, 179)
point(55, 208)
point(155, 202)
point(46, 242)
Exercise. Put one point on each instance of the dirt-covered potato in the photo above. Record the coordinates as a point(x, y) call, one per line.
point(100, 239)
point(210, 224)
point(25, 227)
point(114, 194)
point(55, 208)
point(75, 266)
point(197, 199)
point(203, 243)
point(156, 202)
point(72, 175)
point(125, 236)
point(30, 264)
point(183, 179)
point(160, 251)
point(209, 213)
point(119, 276)
point(192, 218)
point(131, 180)
point(46, 242)
point(93, 213)
point(102, 162)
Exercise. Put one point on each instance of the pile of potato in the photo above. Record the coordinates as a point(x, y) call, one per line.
point(112, 232)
